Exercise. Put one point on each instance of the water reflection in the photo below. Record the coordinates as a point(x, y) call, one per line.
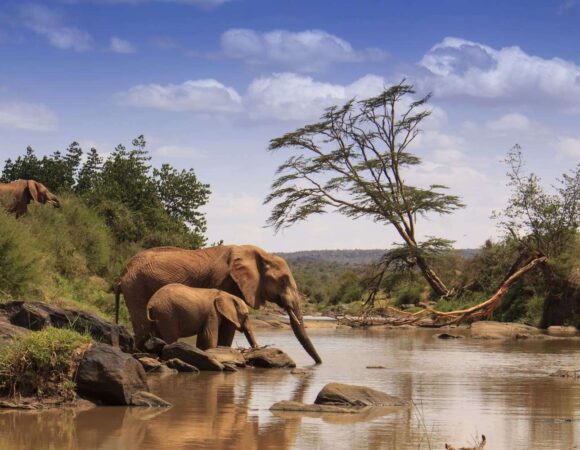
point(461, 388)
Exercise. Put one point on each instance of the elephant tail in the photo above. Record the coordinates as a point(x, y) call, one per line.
point(117, 291)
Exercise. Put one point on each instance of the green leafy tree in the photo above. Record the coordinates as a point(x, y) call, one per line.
point(353, 161)
point(182, 194)
point(89, 173)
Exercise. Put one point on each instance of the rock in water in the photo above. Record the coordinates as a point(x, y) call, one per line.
point(503, 330)
point(228, 355)
point(37, 315)
point(268, 357)
point(181, 366)
point(144, 398)
point(357, 396)
point(191, 355)
point(149, 364)
point(562, 331)
point(108, 375)
point(292, 406)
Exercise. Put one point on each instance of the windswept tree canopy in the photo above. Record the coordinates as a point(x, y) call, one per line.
point(354, 161)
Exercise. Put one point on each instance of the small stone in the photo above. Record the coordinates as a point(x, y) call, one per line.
point(180, 366)
point(229, 367)
point(291, 406)
point(149, 364)
point(300, 372)
point(376, 367)
point(448, 336)
point(191, 355)
point(143, 398)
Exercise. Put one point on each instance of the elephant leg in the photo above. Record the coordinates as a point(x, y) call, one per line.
point(208, 338)
point(142, 327)
point(167, 331)
point(227, 332)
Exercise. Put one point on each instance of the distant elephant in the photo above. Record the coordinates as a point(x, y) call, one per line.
point(17, 195)
point(213, 315)
point(245, 271)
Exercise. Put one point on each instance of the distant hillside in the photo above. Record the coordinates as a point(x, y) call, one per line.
point(354, 257)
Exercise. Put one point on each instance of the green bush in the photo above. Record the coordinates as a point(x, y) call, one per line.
point(42, 363)
point(20, 267)
point(408, 295)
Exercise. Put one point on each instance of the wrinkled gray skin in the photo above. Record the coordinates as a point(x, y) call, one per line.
point(210, 314)
point(16, 196)
point(245, 271)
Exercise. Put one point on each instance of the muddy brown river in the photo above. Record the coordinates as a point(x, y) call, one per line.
point(461, 389)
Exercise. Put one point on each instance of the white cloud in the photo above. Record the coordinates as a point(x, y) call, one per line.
point(177, 151)
point(569, 146)
point(304, 51)
point(199, 96)
point(456, 67)
point(27, 116)
point(119, 45)
point(288, 96)
point(48, 23)
point(508, 123)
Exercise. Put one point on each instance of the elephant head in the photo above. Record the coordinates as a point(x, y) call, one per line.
point(40, 194)
point(261, 277)
point(237, 313)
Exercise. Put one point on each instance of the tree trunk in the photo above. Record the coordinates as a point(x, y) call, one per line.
point(434, 281)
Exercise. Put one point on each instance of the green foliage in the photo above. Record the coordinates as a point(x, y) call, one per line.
point(20, 258)
point(139, 203)
point(41, 363)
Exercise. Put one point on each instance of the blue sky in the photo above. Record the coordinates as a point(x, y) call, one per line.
point(209, 82)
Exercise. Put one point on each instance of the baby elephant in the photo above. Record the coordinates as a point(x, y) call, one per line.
point(213, 315)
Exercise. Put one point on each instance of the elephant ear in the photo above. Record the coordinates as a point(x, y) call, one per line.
point(245, 265)
point(226, 306)
point(33, 190)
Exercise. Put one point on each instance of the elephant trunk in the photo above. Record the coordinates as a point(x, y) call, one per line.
point(300, 333)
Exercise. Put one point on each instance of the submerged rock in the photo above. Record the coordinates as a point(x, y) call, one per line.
point(562, 331)
point(292, 406)
point(144, 398)
point(356, 396)
point(566, 372)
point(448, 336)
point(227, 355)
point(504, 330)
point(37, 315)
point(268, 357)
point(109, 376)
point(180, 366)
point(191, 355)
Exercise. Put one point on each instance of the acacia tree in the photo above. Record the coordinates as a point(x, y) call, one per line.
point(353, 161)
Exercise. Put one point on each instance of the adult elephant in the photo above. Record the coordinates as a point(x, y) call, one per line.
point(17, 195)
point(246, 271)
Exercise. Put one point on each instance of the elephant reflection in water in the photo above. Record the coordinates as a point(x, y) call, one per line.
point(215, 416)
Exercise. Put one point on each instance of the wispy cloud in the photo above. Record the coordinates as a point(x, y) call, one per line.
point(50, 24)
point(566, 5)
point(205, 4)
point(119, 45)
point(27, 116)
point(304, 51)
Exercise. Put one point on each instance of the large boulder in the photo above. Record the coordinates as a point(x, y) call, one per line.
point(191, 355)
point(504, 330)
point(107, 375)
point(269, 357)
point(37, 315)
point(154, 345)
point(9, 333)
point(228, 355)
point(356, 396)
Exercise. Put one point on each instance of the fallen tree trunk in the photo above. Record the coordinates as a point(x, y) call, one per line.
point(440, 318)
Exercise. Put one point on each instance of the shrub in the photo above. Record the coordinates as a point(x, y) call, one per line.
point(42, 363)
point(408, 295)
point(19, 256)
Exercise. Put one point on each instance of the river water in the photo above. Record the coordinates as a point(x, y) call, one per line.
point(460, 388)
